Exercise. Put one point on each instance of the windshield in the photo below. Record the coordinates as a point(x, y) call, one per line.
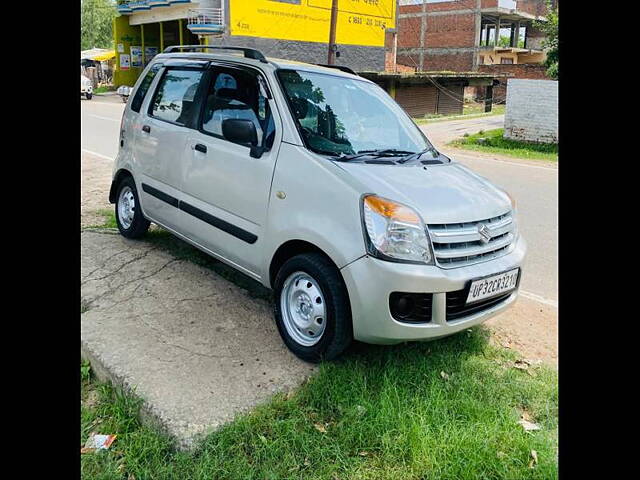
point(341, 116)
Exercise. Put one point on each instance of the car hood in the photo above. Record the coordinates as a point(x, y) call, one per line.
point(449, 193)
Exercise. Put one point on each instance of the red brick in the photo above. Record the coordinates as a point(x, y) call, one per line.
point(450, 31)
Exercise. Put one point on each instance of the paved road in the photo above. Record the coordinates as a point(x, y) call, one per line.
point(534, 185)
point(443, 132)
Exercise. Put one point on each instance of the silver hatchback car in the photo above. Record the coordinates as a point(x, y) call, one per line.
point(314, 182)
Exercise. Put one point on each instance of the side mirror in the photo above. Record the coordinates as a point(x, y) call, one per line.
point(240, 131)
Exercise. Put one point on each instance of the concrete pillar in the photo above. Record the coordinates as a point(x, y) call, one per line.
point(423, 27)
point(392, 88)
point(516, 37)
point(488, 98)
point(142, 47)
point(497, 37)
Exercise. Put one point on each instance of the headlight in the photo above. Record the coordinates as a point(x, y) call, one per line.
point(394, 231)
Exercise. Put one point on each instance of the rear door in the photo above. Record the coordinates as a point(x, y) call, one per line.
point(226, 191)
point(161, 139)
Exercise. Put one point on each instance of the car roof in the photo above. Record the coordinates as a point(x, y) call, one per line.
point(275, 63)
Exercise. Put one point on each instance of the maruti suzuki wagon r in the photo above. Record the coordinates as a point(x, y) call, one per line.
point(314, 182)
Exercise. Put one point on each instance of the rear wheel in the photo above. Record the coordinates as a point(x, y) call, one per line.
point(129, 218)
point(88, 95)
point(312, 308)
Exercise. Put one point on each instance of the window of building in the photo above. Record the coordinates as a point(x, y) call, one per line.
point(174, 98)
point(481, 59)
point(138, 98)
point(506, 61)
point(237, 94)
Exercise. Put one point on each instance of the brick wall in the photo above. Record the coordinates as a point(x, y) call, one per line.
point(358, 58)
point(521, 70)
point(532, 110)
point(454, 62)
point(450, 31)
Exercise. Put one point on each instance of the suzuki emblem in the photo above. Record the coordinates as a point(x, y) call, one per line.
point(484, 232)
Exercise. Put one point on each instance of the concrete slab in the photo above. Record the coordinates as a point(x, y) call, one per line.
point(195, 347)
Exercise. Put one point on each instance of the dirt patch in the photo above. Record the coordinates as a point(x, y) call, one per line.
point(529, 327)
point(94, 189)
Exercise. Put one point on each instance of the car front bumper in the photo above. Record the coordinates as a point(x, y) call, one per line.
point(370, 282)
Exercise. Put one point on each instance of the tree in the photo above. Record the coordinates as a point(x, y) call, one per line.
point(550, 44)
point(96, 23)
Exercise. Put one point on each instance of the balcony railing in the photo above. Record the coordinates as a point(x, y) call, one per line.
point(206, 21)
point(130, 6)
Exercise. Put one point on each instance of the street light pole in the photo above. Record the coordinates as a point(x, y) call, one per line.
point(331, 57)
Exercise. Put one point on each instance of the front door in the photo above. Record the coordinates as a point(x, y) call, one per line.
point(161, 142)
point(226, 191)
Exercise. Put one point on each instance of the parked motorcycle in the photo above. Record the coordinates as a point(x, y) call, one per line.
point(124, 91)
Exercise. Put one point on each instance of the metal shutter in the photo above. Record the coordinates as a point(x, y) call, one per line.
point(450, 101)
point(417, 100)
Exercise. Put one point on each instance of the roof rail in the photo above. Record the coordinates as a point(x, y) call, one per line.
point(248, 52)
point(338, 67)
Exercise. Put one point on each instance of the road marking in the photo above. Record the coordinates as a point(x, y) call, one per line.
point(538, 298)
point(104, 118)
point(104, 157)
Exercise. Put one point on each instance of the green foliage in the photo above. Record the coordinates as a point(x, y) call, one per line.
point(494, 142)
point(506, 41)
point(85, 371)
point(96, 23)
point(550, 29)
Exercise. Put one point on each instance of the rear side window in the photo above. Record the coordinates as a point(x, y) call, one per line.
point(144, 87)
point(174, 98)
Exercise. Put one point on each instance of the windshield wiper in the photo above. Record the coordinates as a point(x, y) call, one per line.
point(384, 152)
point(417, 155)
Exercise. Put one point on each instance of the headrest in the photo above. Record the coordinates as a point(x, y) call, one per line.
point(229, 93)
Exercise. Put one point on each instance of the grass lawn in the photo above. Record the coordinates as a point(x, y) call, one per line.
point(447, 409)
point(470, 110)
point(495, 143)
point(441, 410)
point(104, 89)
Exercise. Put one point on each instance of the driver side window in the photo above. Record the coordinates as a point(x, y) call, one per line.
point(236, 94)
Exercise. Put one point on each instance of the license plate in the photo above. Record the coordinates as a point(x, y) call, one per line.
point(494, 285)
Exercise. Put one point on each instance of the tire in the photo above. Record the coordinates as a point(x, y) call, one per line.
point(129, 218)
point(88, 95)
point(125, 98)
point(325, 289)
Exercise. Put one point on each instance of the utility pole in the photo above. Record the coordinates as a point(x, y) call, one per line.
point(331, 57)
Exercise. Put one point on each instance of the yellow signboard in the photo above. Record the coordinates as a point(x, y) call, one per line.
point(360, 22)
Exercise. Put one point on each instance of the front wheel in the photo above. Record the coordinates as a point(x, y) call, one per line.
point(129, 218)
point(312, 309)
point(88, 95)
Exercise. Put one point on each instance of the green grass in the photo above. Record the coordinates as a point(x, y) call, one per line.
point(109, 219)
point(470, 110)
point(495, 143)
point(104, 89)
point(387, 411)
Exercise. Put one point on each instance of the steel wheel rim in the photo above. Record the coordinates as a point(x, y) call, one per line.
point(303, 309)
point(126, 207)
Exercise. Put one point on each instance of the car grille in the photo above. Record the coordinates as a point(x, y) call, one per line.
point(460, 244)
point(456, 307)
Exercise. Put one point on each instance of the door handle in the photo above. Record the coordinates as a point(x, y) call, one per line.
point(146, 128)
point(200, 147)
